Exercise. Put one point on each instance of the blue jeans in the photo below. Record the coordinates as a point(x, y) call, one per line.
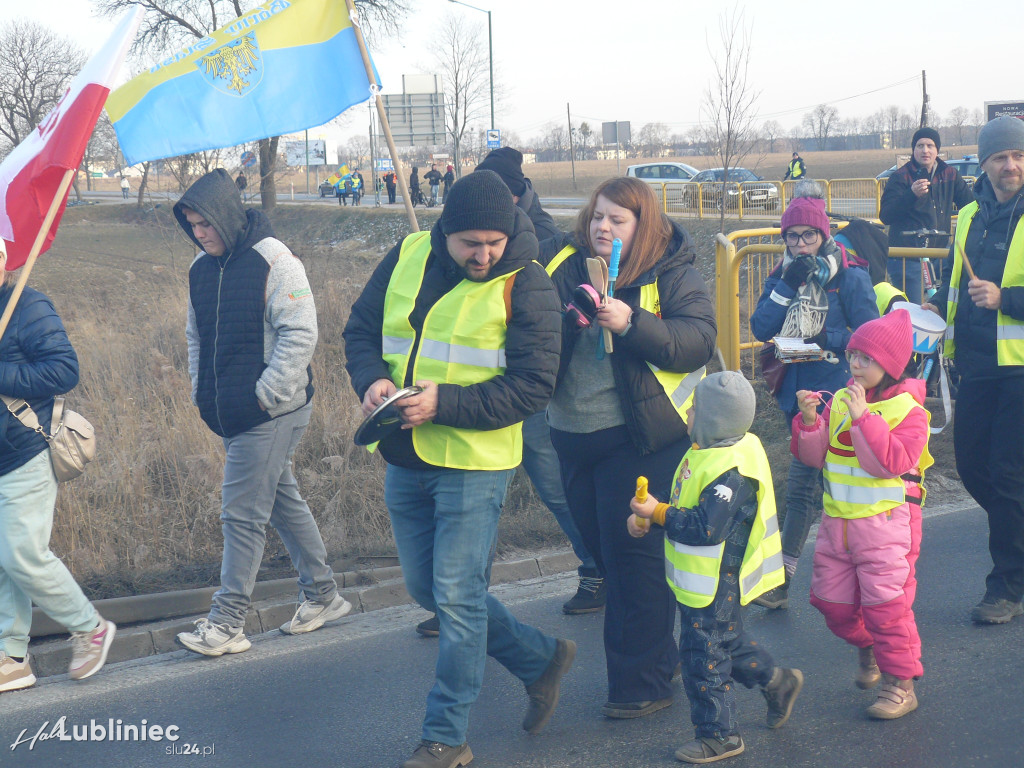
point(445, 523)
point(803, 500)
point(29, 571)
point(541, 464)
point(259, 488)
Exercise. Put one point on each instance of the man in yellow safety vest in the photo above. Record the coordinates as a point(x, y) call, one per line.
point(985, 335)
point(467, 314)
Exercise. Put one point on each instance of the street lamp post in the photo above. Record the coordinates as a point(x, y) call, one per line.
point(490, 50)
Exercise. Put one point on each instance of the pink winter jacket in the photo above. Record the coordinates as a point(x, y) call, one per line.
point(880, 452)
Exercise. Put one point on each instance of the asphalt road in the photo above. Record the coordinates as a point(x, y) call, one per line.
point(351, 695)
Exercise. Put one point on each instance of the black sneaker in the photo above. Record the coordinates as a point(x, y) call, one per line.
point(709, 749)
point(781, 695)
point(995, 610)
point(589, 597)
point(433, 754)
point(430, 628)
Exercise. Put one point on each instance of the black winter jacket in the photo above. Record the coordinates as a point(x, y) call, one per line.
point(543, 224)
point(682, 339)
point(37, 363)
point(904, 211)
point(531, 345)
point(987, 242)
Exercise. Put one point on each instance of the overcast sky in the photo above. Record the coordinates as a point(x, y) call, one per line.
point(649, 60)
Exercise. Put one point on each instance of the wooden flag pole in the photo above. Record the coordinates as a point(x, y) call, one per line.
point(403, 185)
point(37, 246)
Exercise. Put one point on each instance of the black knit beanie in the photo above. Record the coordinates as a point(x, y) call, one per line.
point(479, 200)
point(926, 133)
point(507, 163)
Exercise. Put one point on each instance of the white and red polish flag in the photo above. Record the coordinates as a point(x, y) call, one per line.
point(32, 172)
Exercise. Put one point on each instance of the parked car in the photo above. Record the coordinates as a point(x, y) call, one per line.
point(757, 193)
point(326, 188)
point(659, 172)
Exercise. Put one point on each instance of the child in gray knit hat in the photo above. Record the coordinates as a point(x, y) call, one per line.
point(722, 549)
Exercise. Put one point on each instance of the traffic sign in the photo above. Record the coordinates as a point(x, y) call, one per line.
point(493, 138)
point(385, 164)
point(248, 159)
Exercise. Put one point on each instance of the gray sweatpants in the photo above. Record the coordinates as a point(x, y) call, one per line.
point(259, 488)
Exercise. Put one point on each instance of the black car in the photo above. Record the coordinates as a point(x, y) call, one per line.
point(326, 188)
point(757, 193)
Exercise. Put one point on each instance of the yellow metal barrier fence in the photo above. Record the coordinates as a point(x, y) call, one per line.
point(743, 260)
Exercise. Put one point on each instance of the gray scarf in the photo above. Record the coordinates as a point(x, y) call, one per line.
point(805, 317)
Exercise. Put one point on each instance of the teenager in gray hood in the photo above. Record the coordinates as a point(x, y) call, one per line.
point(251, 334)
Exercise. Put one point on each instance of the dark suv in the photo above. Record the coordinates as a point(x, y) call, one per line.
point(757, 193)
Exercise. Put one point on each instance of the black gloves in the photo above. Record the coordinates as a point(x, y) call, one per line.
point(796, 273)
point(820, 339)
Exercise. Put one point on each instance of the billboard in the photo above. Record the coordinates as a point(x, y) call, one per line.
point(994, 109)
point(615, 133)
point(416, 119)
point(294, 152)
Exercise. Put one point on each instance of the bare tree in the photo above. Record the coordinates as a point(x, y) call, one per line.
point(36, 66)
point(771, 130)
point(821, 123)
point(187, 168)
point(169, 24)
point(102, 149)
point(958, 119)
point(652, 139)
point(585, 134)
point(358, 151)
point(729, 101)
point(908, 123)
point(556, 141)
point(461, 58)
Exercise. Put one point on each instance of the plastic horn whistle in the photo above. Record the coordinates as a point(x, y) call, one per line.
point(641, 496)
point(613, 265)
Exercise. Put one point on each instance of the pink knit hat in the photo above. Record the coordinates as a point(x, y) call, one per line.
point(889, 341)
point(806, 211)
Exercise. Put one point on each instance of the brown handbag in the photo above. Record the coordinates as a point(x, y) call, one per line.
point(73, 439)
point(772, 368)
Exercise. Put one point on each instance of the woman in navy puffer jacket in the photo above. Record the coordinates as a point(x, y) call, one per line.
point(37, 362)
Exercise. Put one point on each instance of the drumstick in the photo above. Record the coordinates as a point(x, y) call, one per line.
point(965, 260)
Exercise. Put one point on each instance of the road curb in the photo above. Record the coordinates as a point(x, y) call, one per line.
point(148, 624)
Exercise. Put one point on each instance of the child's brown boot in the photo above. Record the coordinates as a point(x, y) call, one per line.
point(868, 674)
point(896, 698)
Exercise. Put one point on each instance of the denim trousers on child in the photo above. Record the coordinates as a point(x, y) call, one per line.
point(260, 488)
point(29, 571)
point(445, 523)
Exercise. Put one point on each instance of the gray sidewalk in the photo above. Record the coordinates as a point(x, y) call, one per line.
point(147, 624)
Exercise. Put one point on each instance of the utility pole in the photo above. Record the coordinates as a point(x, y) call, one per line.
point(572, 149)
point(924, 101)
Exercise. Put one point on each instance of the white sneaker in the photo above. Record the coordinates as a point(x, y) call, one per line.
point(15, 674)
point(89, 649)
point(212, 639)
point(310, 615)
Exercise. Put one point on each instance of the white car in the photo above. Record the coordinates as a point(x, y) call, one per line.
point(659, 172)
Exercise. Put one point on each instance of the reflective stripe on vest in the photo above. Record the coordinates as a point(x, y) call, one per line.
point(462, 342)
point(850, 491)
point(678, 387)
point(561, 256)
point(1009, 332)
point(693, 572)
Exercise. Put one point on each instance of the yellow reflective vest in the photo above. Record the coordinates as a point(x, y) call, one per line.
point(679, 387)
point(1009, 332)
point(885, 294)
point(850, 491)
point(462, 342)
point(693, 572)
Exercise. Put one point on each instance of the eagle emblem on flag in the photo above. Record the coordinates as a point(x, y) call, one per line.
point(235, 68)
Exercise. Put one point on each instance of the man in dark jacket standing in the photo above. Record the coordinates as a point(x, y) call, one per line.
point(985, 314)
point(251, 334)
point(474, 321)
point(920, 195)
point(508, 163)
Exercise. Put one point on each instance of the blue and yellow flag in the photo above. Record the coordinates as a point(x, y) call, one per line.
point(338, 175)
point(282, 67)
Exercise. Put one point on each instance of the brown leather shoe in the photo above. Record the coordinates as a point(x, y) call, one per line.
point(545, 690)
point(433, 754)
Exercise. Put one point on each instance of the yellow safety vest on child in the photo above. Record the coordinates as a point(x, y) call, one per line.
point(850, 491)
point(693, 572)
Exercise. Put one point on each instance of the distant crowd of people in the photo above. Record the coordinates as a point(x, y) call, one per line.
point(583, 356)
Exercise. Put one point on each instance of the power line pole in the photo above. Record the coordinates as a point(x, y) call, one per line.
point(924, 100)
point(572, 149)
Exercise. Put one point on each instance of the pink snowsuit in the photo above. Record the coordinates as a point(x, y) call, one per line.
point(863, 580)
